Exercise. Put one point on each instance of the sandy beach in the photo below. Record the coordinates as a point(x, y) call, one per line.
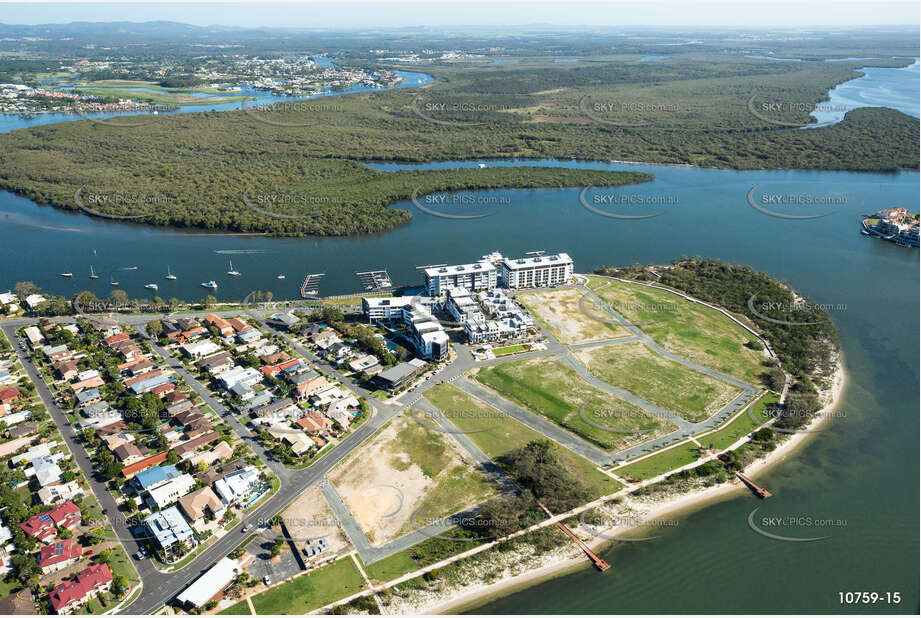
point(552, 565)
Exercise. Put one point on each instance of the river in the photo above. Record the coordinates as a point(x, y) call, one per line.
point(863, 468)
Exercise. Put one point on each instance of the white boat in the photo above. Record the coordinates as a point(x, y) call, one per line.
point(280, 277)
point(113, 282)
point(68, 275)
point(232, 272)
point(152, 286)
point(93, 274)
point(170, 275)
point(209, 284)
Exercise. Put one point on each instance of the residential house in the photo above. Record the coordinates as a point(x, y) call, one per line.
point(216, 363)
point(343, 410)
point(33, 301)
point(44, 526)
point(55, 494)
point(9, 395)
point(164, 494)
point(199, 349)
point(106, 326)
point(297, 441)
point(219, 451)
point(201, 504)
point(237, 487)
point(367, 364)
point(284, 320)
point(82, 385)
point(187, 449)
point(69, 595)
point(222, 325)
point(315, 423)
point(306, 389)
point(168, 528)
point(210, 584)
point(131, 470)
point(89, 397)
point(65, 369)
point(238, 375)
point(154, 477)
point(127, 454)
point(59, 555)
point(34, 335)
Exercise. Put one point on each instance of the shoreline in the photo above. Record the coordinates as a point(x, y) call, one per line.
point(685, 503)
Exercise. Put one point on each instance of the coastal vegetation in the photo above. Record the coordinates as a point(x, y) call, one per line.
point(192, 170)
point(798, 329)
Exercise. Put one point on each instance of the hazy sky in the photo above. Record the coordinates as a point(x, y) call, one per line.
point(388, 14)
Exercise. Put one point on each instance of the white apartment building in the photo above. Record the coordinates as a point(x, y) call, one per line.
point(536, 271)
point(482, 275)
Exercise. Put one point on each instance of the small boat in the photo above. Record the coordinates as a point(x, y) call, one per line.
point(93, 274)
point(170, 275)
point(152, 286)
point(232, 272)
point(67, 275)
point(280, 277)
point(113, 283)
point(209, 284)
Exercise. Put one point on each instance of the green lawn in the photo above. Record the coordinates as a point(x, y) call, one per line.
point(509, 349)
point(664, 461)
point(237, 609)
point(315, 589)
point(637, 369)
point(741, 426)
point(496, 434)
point(687, 329)
point(553, 389)
point(392, 567)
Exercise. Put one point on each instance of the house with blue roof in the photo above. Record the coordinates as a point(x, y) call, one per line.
point(154, 477)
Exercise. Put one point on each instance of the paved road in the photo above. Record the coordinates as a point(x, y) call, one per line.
point(119, 523)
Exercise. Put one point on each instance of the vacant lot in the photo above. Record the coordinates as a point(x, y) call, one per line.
point(559, 311)
point(637, 369)
point(553, 389)
point(309, 517)
point(423, 468)
point(667, 460)
point(305, 593)
point(687, 329)
point(496, 434)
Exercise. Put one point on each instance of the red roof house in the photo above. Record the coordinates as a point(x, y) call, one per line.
point(59, 555)
point(44, 525)
point(9, 395)
point(69, 595)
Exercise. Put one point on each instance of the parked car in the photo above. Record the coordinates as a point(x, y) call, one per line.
point(267, 580)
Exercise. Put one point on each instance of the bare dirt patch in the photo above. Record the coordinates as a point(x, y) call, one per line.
point(559, 310)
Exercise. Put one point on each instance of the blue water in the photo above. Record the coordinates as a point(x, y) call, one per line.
point(653, 58)
point(760, 57)
point(879, 87)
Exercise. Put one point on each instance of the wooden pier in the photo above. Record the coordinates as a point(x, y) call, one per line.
point(758, 491)
point(599, 563)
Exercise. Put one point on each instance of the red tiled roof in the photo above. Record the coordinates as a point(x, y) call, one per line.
point(76, 590)
point(109, 341)
point(153, 460)
point(44, 525)
point(59, 551)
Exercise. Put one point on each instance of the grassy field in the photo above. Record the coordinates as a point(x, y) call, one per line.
point(660, 463)
point(553, 389)
point(637, 369)
point(508, 349)
point(315, 589)
point(559, 311)
point(161, 96)
point(392, 567)
point(687, 329)
point(496, 434)
point(741, 426)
